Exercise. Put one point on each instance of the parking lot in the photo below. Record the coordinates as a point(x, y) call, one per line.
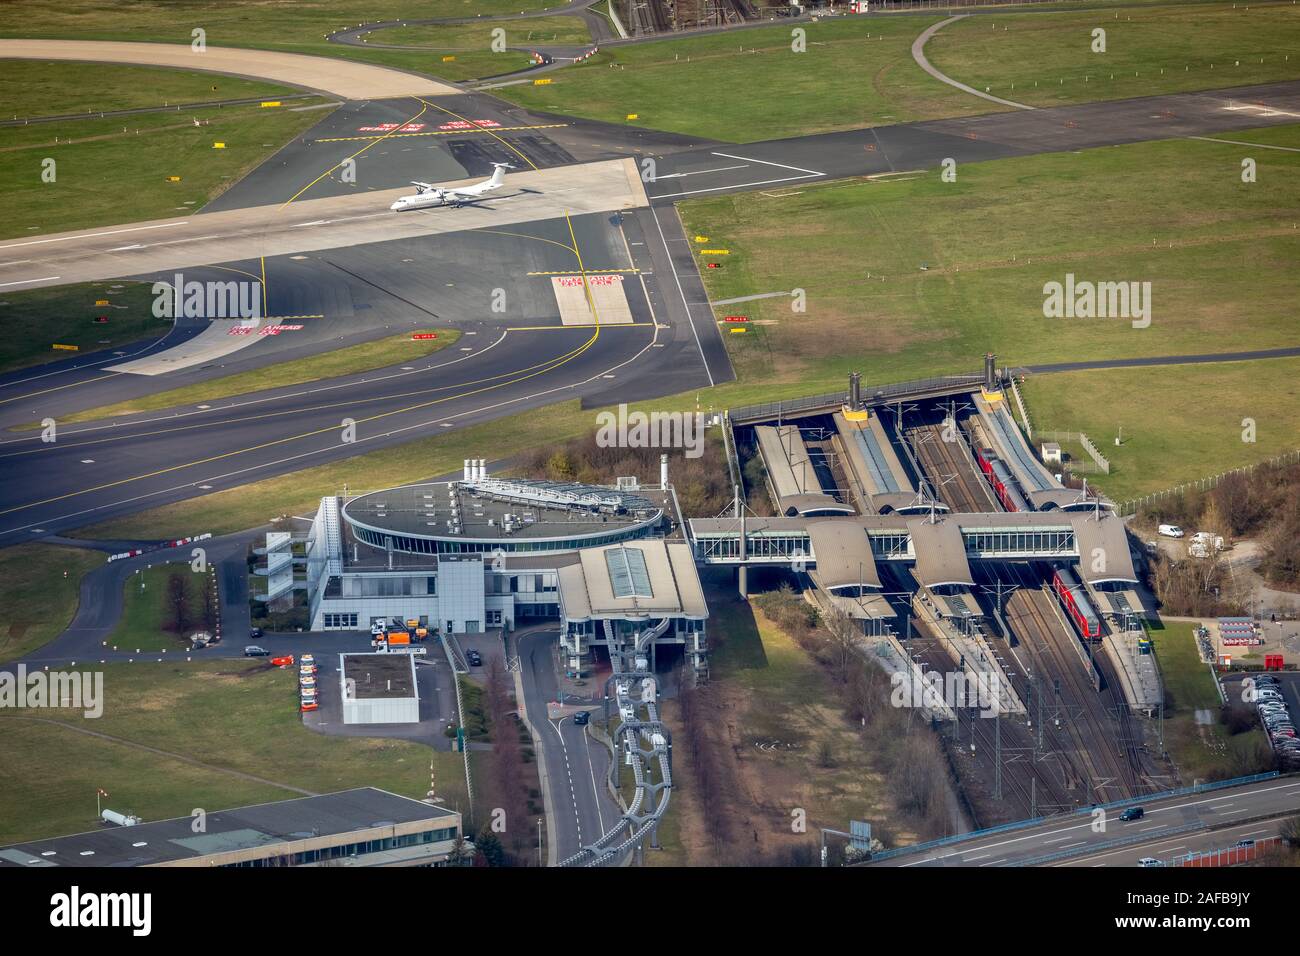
point(1276, 700)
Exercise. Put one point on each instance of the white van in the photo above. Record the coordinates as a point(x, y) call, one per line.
point(1170, 530)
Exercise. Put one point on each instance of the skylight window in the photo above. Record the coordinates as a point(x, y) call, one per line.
point(627, 573)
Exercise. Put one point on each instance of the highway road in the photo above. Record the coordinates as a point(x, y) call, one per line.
point(579, 806)
point(1167, 824)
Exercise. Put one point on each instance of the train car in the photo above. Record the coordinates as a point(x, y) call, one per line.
point(1075, 601)
point(1007, 487)
point(985, 458)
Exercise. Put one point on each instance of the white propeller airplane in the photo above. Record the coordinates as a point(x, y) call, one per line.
point(430, 195)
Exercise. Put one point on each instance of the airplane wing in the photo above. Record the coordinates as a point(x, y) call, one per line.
point(424, 187)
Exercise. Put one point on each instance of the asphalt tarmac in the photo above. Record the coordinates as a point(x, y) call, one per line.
point(371, 282)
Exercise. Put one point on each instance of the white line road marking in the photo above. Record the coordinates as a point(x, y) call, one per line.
point(807, 174)
point(766, 162)
point(698, 172)
point(1234, 142)
point(93, 235)
point(765, 182)
point(682, 292)
point(1032, 836)
point(26, 281)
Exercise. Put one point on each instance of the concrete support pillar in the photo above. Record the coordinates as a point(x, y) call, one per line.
point(742, 581)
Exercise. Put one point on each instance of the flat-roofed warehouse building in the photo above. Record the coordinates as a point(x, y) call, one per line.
point(379, 689)
point(361, 827)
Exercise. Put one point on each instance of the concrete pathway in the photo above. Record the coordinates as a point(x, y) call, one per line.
point(918, 54)
point(337, 77)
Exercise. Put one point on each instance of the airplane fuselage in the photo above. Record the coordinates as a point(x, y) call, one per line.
point(418, 201)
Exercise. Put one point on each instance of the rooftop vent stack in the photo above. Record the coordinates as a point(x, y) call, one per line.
point(990, 371)
point(468, 466)
point(663, 471)
point(855, 390)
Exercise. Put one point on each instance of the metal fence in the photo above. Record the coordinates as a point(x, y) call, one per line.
point(1203, 484)
point(1022, 824)
point(809, 403)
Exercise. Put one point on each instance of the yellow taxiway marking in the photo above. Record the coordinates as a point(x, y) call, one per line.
point(503, 142)
point(589, 272)
point(558, 328)
point(539, 369)
point(443, 132)
point(423, 110)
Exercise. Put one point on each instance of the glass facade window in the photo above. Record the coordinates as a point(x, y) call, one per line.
point(352, 849)
point(344, 619)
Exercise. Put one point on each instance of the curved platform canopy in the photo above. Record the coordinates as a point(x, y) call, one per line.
point(940, 551)
point(842, 550)
point(1104, 554)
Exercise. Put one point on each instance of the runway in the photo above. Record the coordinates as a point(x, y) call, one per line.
point(582, 200)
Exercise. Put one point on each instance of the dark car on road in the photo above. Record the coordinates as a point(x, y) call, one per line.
point(252, 650)
point(581, 717)
point(474, 658)
point(255, 633)
point(1132, 813)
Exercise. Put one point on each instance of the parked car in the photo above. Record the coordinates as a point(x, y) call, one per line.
point(475, 659)
point(1243, 844)
point(285, 661)
point(1131, 814)
point(252, 650)
point(581, 718)
point(255, 633)
point(1149, 861)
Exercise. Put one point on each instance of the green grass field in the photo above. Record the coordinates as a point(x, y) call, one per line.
point(912, 276)
point(470, 44)
point(33, 320)
point(36, 600)
point(751, 86)
point(1180, 422)
point(234, 716)
point(380, 353)
point(1043, 60)
point(117, 170)
point(297, 27)
point(1200, 751)
point(30, 88)
point(479, 36)
point(146, 611)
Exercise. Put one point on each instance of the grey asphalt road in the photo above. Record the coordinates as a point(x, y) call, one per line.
point(1074, 835)
point(1169, 849)
point(786, 164)
point(576, 765)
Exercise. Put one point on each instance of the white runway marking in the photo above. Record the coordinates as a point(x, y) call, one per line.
point(93, 235)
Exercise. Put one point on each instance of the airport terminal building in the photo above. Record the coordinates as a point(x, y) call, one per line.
point(481, 553)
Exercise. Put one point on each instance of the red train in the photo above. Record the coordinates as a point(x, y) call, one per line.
point(1075, 601)
point(1004, 485)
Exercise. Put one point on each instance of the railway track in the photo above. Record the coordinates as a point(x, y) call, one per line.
point(1033, 783)
point(967, 490)
point(1104, 752)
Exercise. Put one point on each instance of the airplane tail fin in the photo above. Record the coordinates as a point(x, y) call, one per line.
point(499, 173)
